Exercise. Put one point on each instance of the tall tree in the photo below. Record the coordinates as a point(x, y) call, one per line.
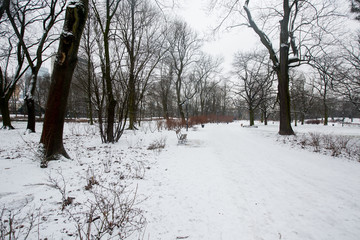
point(302, 96)
point(347, 81)
point(66, 59)
point(255, 78)
point(105, 20)
point(326, 67)
point(30, 14)
point(141, 34)
point(184, 48)
point(8, 83)
point(300, 21)
point(205, 72)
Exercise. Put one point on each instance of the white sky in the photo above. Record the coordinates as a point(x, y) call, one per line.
point(223, 43)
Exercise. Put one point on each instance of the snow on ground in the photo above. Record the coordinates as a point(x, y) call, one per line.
point(227, 182)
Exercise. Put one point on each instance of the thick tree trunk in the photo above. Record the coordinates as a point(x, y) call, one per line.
point(283, 75)
point(52, 134)
point(284, 96)
point(5, 113)
point(252, 117)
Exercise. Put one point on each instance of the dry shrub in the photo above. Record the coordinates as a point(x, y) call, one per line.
point(160, 125)
point(111, 214)
point(158, 144)
point(315, 141)
point(172, 124)
point(210, 119)
point(337, 146)
point(15, 225)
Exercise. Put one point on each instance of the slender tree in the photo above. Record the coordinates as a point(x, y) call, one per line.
point(9, 80)
point(105, 20)
point(143, 39)
point(66, 59)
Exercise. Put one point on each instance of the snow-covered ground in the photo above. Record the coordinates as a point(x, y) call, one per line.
point(226, 182)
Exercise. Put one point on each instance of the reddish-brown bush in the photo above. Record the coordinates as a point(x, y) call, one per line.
point(172, 124)
point(313, 121)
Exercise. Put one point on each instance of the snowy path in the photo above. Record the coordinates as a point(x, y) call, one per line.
point(232, 183)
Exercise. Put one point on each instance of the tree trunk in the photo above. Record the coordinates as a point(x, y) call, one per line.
point(89, 72)
point(30, 105)
point(111, 118)
point(164, 102)
point(284, 97)
point(283, 75)
point(326, 113)
point(66, 59)
point(302, 118)
point(252, 116)
point(178, 95)
point(30, 102)
point(132, 102)
point(5, 113)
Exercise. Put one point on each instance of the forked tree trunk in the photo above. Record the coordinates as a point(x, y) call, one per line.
point(66, 59)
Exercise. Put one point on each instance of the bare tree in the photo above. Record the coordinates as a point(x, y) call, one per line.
point(347, 81)
point(205, 72)
point(326, 67)
point(140, 32)
point(31, 14)
point(105, 14)
point(299, 21)
point(302, 96)
point(184, 48)
point(8, 83)
point(253, 71)
point(164, 86)
point(86, 71)
point(66, 59)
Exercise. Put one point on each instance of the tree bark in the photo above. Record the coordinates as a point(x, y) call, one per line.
point(66, 59)
point(252, 116)
point(132, 100)
point(5, 113)
point(283, 74)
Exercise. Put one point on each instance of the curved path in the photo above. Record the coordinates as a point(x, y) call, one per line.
point(233, 183)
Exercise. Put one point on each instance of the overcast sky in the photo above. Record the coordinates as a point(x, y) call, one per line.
point(223, 43)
